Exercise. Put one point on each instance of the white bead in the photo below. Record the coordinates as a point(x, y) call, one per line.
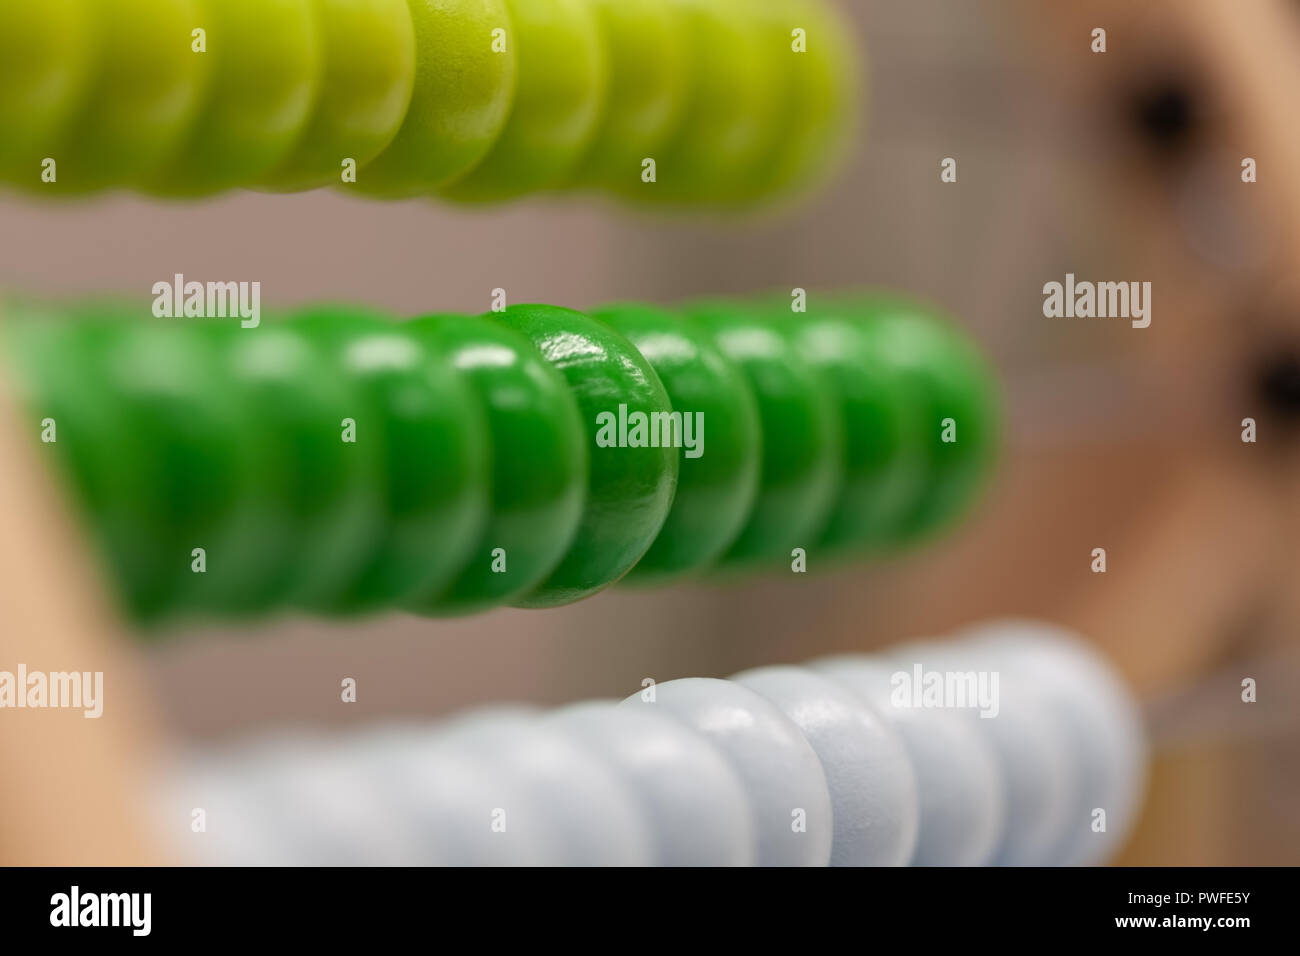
point(698, 811)
point(959, 783)
point(1031, 743)
point(782, 776)
point(322, 809)
point(554, 790)
point(442, 799)
point(1107, 736)
point(868, 772)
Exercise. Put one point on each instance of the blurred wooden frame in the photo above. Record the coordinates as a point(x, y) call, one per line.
point(74, 786)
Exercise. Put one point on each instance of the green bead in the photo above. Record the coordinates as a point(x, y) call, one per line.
point(629, 489)
point(562, 73)
point(264, 59)
point(802, 435)
point(45, 56)
point(718, 483)
point(646, 90)
point(460, 100)
point(732, 104)
point(324, 507)
point(145, 92)
point(539, 461)
point(818, 90)
point(885, 460)
point(183, 463)
point(429, 432)
point(366, 84)
point(959, 400)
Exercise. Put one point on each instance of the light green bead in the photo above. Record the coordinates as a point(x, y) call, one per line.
point(562, 76)
point(461, 98)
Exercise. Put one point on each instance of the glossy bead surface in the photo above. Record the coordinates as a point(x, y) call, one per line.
point(264, 60)
point(366, 80)
point(629, 489)
point(431, 436)
point(781, 773)
point(557, 102)
point(539, 459)
point(868, 772)
point(958, 778)
point(799, 475)
point(459, 102)
point(718, 482)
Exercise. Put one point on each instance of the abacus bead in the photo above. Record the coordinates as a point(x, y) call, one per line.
point(1107, 737)
point(884, 465)
point(444, 798)
point(45, 55)
point(557, 790)
point(799, 474)
point(323, 807)
point(562, 72)
point(730, 103)
point(956, 386)
point(366, 81)
point(695, 803)
point(1031, 745)
point(431, 435)
point(629, 489)
point(326, 507)
point(958, 781)
point(781, 773)
point(539, 460)
point(715, 489)
point(820, 88)
point(145, 90)
point(264, 61)
point(188, 466)
point(645, 94)
point(459, 103)
point(869, 775)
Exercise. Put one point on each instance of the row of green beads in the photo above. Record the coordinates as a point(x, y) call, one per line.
point(342, 462)
point(472, 99)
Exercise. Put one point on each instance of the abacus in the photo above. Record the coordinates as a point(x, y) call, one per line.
point(529, 469)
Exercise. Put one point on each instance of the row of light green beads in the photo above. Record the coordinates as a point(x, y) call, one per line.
point(733, 100)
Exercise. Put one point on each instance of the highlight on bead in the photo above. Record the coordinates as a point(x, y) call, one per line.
point(338, 461)
point(847, 761)
point(717, 102)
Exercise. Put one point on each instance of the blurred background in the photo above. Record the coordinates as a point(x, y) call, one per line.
point(1123, 165)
